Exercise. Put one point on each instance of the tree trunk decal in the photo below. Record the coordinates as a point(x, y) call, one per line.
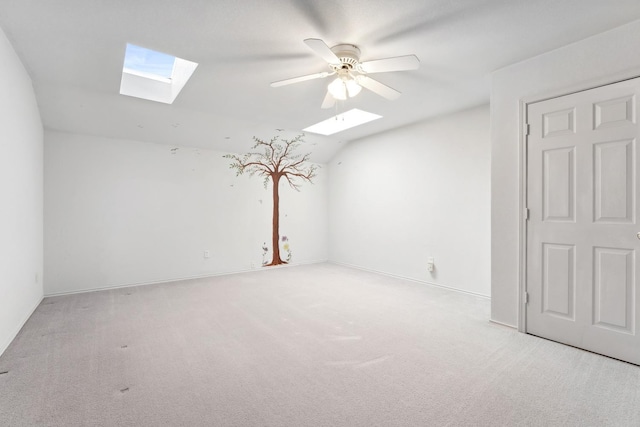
point(275, 230)
point(275, 160)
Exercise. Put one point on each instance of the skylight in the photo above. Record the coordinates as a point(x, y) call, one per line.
point(146, 61)
point(344, 121)
point(153, 75)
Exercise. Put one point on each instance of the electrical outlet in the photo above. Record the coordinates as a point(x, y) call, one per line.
point(430, 264)
point(207, 254)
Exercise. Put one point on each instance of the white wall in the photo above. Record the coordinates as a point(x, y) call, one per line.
point(598, 60)
point(123, 212)
point(21, 193)
point(419, 191)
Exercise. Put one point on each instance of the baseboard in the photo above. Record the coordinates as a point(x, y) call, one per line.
point(423, 282)
point(177, 279)
point(4, 346)
point(503, 324)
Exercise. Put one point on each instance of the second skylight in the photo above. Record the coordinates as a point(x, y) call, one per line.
point(344, 121)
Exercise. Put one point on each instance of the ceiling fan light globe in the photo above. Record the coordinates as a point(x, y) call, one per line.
point(353, 88)
point(338, 89)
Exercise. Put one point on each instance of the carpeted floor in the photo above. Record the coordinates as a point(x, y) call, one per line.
point(315, 345)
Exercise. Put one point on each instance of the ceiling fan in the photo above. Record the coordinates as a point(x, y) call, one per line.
point(351, 74)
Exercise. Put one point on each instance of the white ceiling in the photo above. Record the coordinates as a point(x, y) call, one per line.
point(73, 50)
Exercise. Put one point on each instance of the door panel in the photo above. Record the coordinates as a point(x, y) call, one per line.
point(581, 235)
point(613, 289)
point(559, 184)
point(558, 285)
point(614, 187)
point(559, 123)
point(614, 112)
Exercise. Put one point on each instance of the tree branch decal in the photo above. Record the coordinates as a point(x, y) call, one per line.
point(274, 160)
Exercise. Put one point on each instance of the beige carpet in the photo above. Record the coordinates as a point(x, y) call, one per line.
point(316, 345)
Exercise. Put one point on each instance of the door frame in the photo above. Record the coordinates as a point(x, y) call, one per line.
point(523, 107)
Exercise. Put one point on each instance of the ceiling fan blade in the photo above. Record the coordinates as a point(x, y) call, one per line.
point(377, 87)
point(321, 48)
point(300, 79)
point(329, 101)
point(398, 63)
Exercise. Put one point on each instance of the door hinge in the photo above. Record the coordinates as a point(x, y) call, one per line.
point(526, 297)
point(526, 214)
point(527, 129)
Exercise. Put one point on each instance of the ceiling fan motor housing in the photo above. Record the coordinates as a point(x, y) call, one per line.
point(349, 56)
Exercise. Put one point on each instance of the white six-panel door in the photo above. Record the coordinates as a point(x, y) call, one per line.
point(582, 241)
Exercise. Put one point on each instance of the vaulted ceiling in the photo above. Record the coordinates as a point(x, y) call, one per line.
point(73, 51)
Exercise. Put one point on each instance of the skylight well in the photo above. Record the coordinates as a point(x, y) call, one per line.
point(153, 75)
point(344, 121)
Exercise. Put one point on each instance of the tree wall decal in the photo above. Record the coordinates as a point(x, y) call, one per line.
point(275, 160)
